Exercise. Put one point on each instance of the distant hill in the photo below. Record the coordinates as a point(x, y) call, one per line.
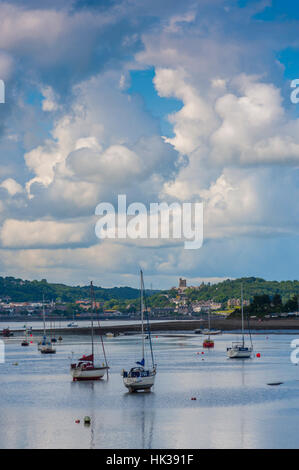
point(24, 291)
point(21, 291)
point(252, 286)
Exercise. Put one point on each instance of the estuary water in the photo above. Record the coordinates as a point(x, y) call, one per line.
point(38, 325)
point(234, 406)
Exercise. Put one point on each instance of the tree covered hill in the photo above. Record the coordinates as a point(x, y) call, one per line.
point(25, 291)
point(21, 291)
point(252, 286)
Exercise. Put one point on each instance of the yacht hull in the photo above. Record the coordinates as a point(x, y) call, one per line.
point(139, 379)
point(134, 384)
point(48, 351)
point(244, 353)
point(94, 373)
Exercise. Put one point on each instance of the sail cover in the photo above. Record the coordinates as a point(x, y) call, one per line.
point(87, 358)
point(141, 363)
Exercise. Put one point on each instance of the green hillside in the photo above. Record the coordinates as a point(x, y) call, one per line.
point(252, 286)
point(21, 291)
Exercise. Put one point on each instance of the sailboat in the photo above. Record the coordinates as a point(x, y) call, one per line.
point(239, 349)
point(208, 343)
point(53, 339)
point(73, 324)
point(141, 377)
point(86, 368)
point(25, 341)
point(45, 346)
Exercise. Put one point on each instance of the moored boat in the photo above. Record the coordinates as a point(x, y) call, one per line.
point(86, 368)
point(211, 332)
point(45, 346)
point(25, 341)
point(208, 343)
point(141, 377)
point(238, 349)
point(7, 333)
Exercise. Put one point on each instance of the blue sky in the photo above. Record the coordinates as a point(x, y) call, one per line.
point(162, 101)
point(141, 83)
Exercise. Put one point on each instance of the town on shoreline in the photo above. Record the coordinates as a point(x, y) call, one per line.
point(263, 300)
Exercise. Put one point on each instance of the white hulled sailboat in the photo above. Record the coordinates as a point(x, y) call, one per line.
point(141, 377)
point(86, 368)
point(25, 341)
point(45, 346)
point(239, 350)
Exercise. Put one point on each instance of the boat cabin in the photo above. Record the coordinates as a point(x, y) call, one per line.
point(137, 372)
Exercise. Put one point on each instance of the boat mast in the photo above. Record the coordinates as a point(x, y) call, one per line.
point(44, 315)
point(243, 341)
point(142, 308)
point(93, 300)
point(148, 324)
point(92, 307)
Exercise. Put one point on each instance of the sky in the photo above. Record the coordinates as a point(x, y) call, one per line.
point(164, 102)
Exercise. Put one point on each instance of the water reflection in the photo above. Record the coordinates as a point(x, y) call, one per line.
point(141, 409)
point(39, 403)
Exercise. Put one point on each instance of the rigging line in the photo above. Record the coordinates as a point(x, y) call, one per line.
point(142, 311)
point(148, 326)
point(249, 330)
point(101, 336)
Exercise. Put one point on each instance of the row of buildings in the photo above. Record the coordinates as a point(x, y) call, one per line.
point(202, 306)
point(179, 304)
point(51, 308)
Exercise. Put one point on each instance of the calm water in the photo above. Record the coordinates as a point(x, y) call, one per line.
point(37, 325)
point(235, 408)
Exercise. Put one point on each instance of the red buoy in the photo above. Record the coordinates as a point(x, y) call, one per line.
point(258, 355)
